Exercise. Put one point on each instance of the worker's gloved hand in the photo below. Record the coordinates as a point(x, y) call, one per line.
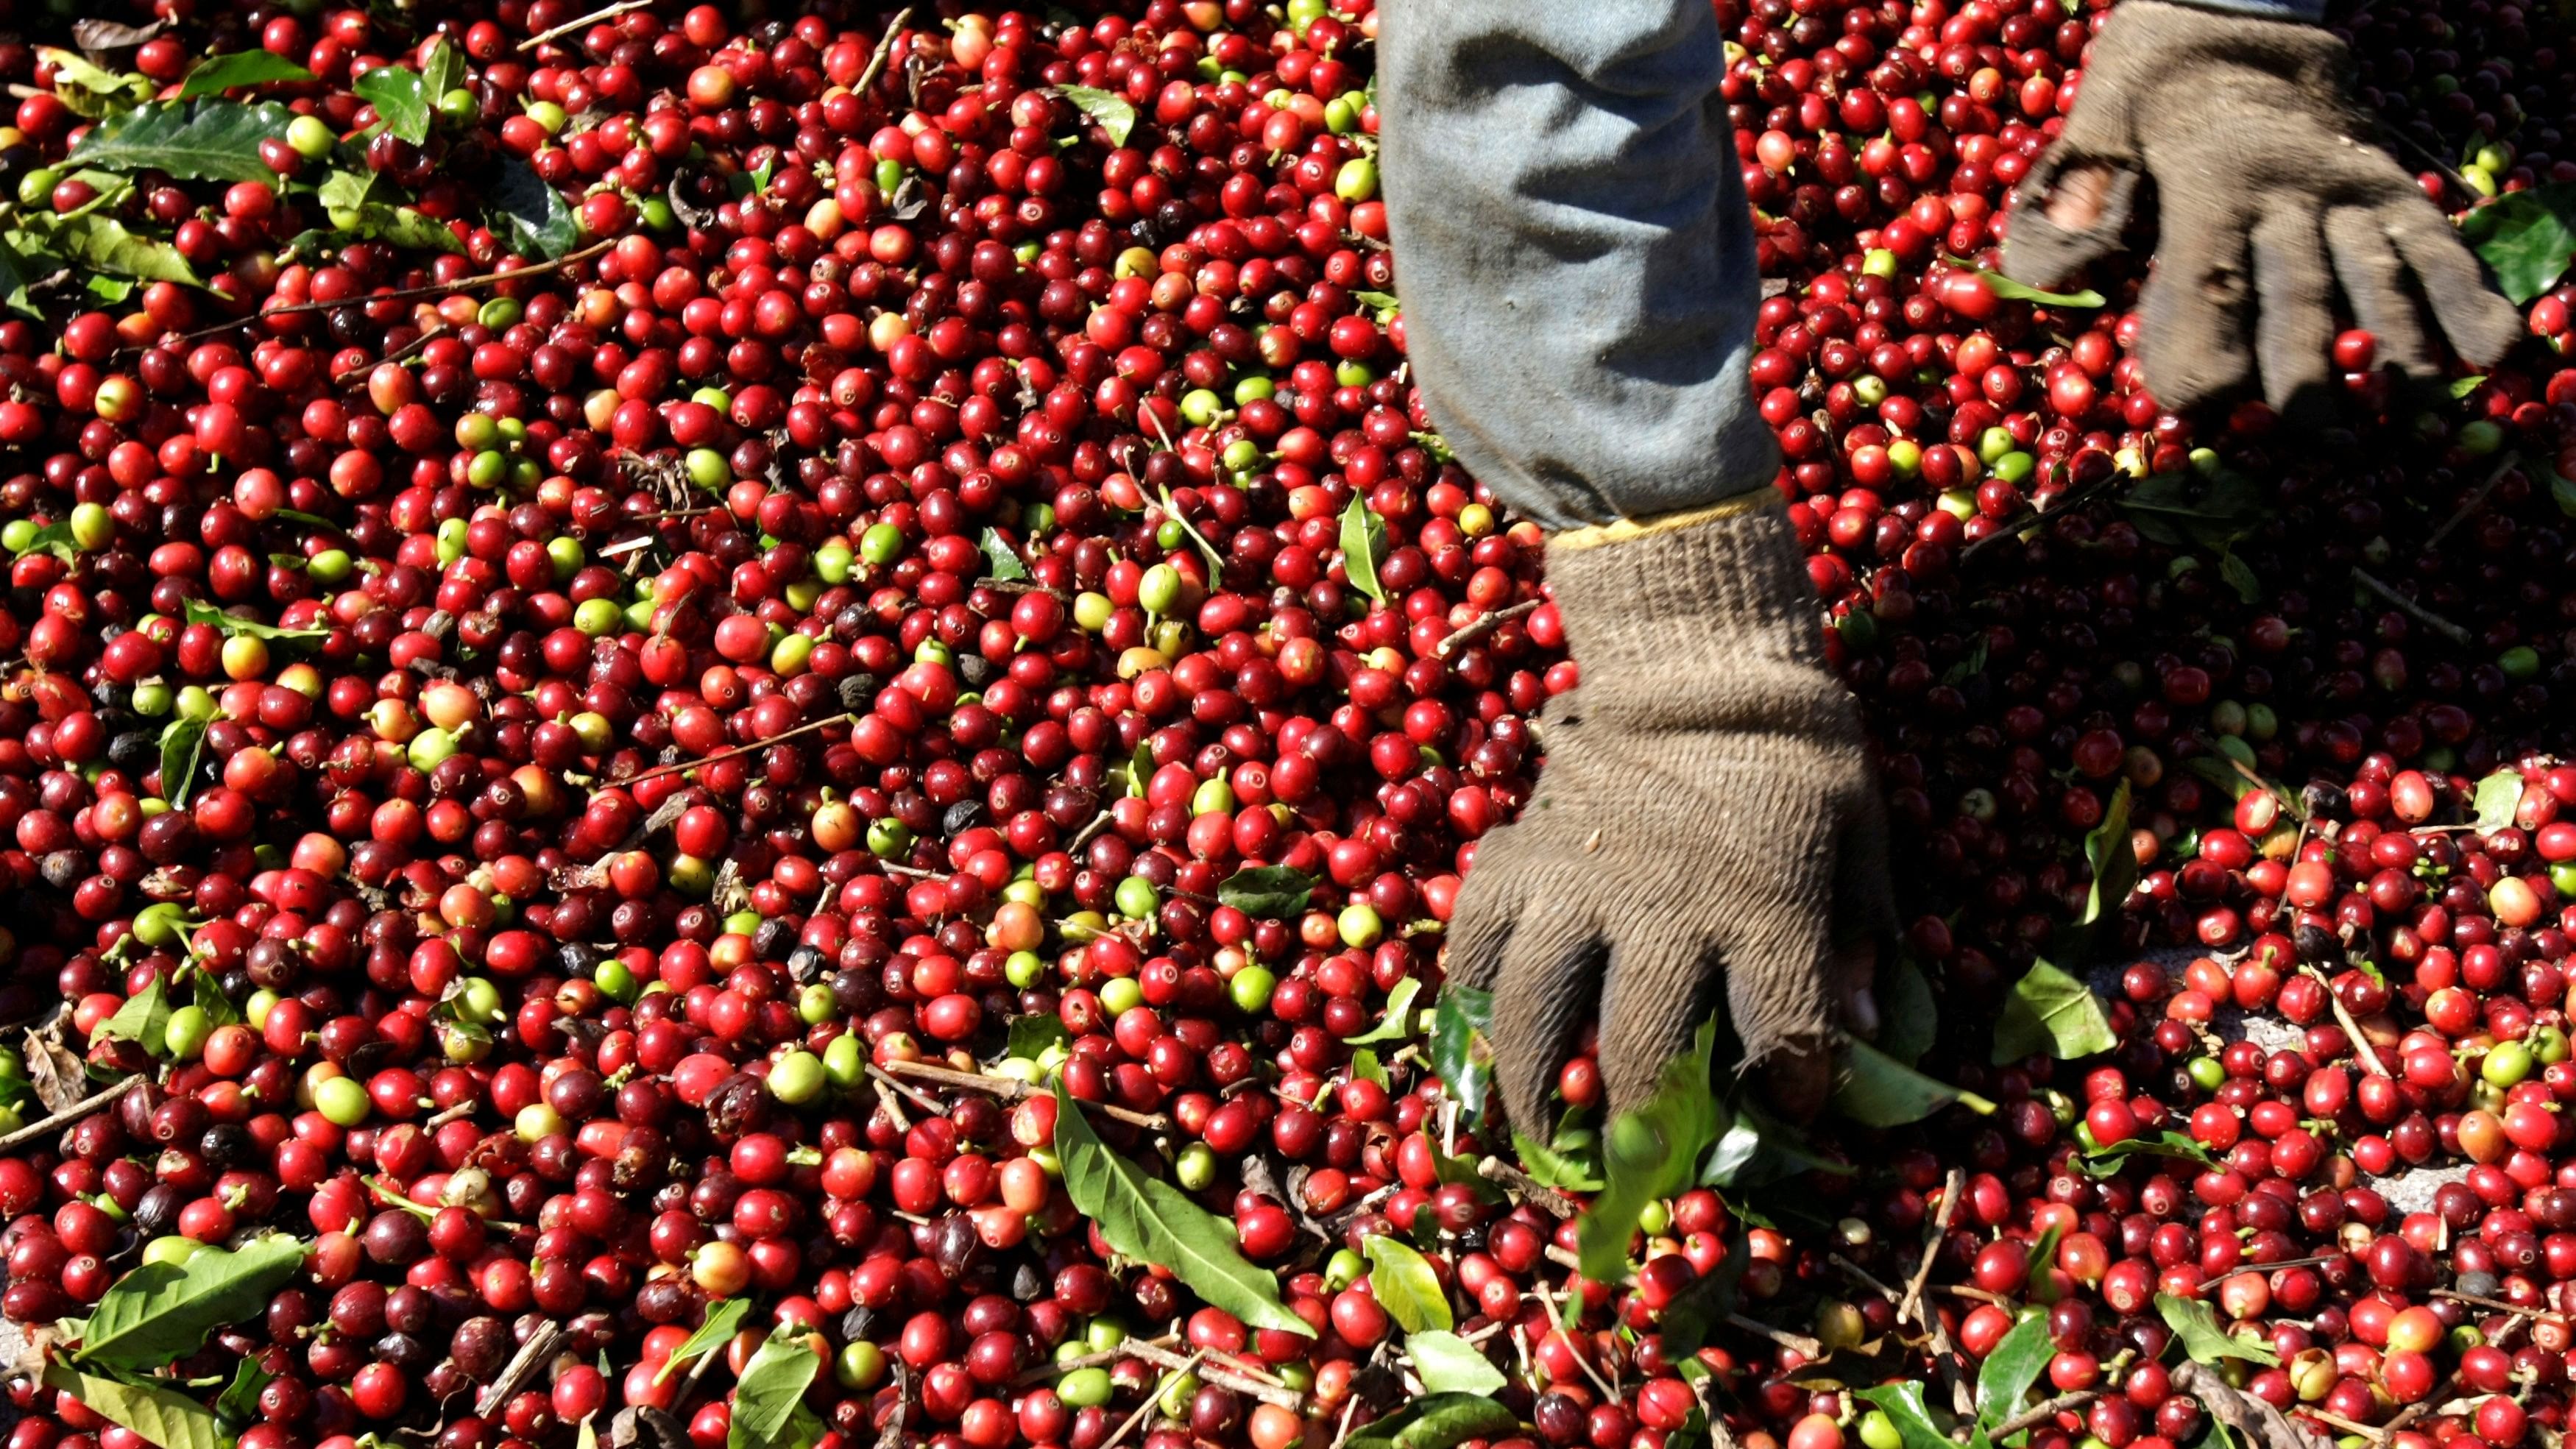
point(2270, 198)
point(1705, 833)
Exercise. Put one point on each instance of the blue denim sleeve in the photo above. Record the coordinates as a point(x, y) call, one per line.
point(1574, 250)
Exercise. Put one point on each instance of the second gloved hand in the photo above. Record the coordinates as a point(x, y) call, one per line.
point(2270, 198)
point(1705, 833)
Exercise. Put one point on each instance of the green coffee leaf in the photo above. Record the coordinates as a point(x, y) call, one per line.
point(2499, 796)
point(239, 1402)
point(158, 1314)
point(96, 240)
point(1267, 892)
point(54, 538)
point(196, 140)
point(529, 214)
point(1032, 1035)
point(1112, 112)
point(1876, 1090)
point(201, 612)
point(159, 1417)
point(442, 70)
point(1909, 1019)
point(1903, 1405)
point(1004, 560)
point(1755, 1150)
point(182, 742)
point(2461, 387)
point(2239, 575)
point(1363, 538)
point(2051, 1012)
point(1651, 1153)
point(1365, 1067)
point(1437, 1421)
point(2115, 865)
point(2103, 1162)
point(770, 1390)
point(2012, 291)
point(144, 1019)
point(1398, 1023)
point(2525, 238)
point(1448, 1364)
point(1150, 1221)
point(92, 90)
point(401, 100)
point(1406, 1285)
point(1564, 1170)
point(724, 1320)
point(1462, 1012)
point(219, 73)
point(2196, 1324)
point(2015, 1364)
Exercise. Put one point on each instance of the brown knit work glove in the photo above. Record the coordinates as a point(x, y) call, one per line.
point(2270, 198)
point(1705, 832)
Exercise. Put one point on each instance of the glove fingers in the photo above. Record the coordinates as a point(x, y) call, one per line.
point(2038, 250)
point(1864, 895)
point(1481, 927)
point(2374, 282)
point(2192, 345)
point(1549, 968)
point(2293, 325)
point(1661, 988)
point(2482, 326)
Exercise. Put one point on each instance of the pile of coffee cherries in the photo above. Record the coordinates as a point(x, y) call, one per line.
point(642, 644)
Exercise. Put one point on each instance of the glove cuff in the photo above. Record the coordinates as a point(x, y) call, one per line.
point(1709, 626)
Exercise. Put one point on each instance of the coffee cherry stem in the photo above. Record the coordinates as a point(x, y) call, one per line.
point(1911, 1305)
point(2043, 1411)
point(915, 1095)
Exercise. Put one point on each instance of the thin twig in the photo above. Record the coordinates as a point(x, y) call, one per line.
point(2412, 609)
point(1796, 1342)
point(583, 22)
point(1153, 1396)
point(920, 1098)
point(2042, 1412)
point(2071, 499)
point(1102, 1359)
point(1547, 1199)
point(2496, 1304)
point(1912, 1302)
point(408, 294)
point(893, 1104)
point(1012, 1089)
point(806, 728)
point(2343, 1018)
point(1582, 1360)
point(427, 335)
point(457, 1113)
point(1083, 836)
point(1861, 1275)
point(1482, 625)
point(1284, 1397)
point(885, 47)
point(2477, 499)
point(1973, 1295)
point(73, 1113)
point(523, 1365)
point(2420, 152)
